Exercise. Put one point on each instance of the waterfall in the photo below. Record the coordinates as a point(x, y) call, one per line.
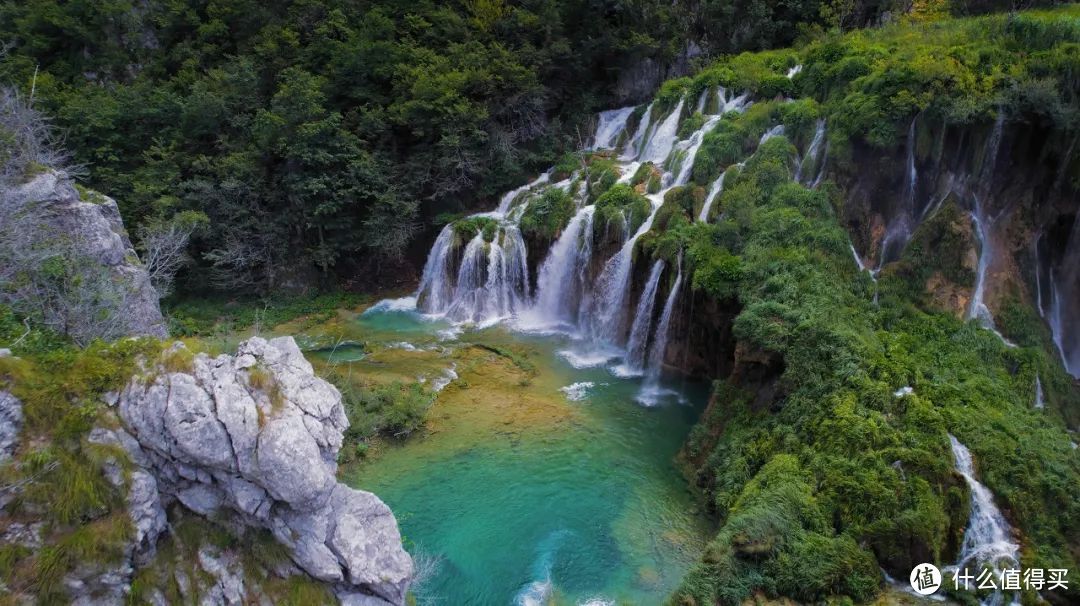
point(633, 146)
point(714, 193)
point(977, 309)
point(899, 229)
point(490, 283)
point(812, 151)
point(775, 131)
point(987, 540)
point(659, 144)
point(794, 70)
point(821, 167)
point(435, 286)
point(510, 196)
point(691, 147)
point(482, 277)
point(605, 318)
point(1040, 398)
point(738, 103)
point(986, 172)
point(1064, 295)
point(702, 98)
point(610, 124)
point(639, 333)
point(651, 390)
point(561, 279)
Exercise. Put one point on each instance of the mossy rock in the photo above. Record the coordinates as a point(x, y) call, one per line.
point(618, 205)
point(547, 215)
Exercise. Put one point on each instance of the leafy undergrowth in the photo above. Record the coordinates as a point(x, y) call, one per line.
point(56, 476)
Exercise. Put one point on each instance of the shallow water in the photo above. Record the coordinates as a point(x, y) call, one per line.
point(521, 491)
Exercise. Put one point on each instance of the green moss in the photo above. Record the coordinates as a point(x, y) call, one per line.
point(618, 205)
point(547, 215)
point(466, 229)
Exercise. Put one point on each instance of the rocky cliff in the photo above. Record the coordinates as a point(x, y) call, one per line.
point(252, 440)
point(67, 259)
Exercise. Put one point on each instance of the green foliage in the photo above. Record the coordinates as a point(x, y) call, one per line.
point(547, 215)
point(601, 173)
point(58, 470)
point(825, 475)
point(317, 136)
point(394, 410)
point(620, 206)
point(467, 228)
point(191, 317)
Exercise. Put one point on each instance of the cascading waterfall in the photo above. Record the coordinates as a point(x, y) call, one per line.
point(561, 280)
point(710, 198)
point(633, 146)
point(659, 143)
point(1064, 296)
point(639, 332)
point(490, 282)
point(977, 310)
point(775, 131)
point(1040, 398)
point(605, 319)
point(812, 152)
point(610, 124)
point(899, 229)
point(435, 288)
point(988, 538)
point(483, 277)
point(651, 389)
point(508, 198)
point(689, 149)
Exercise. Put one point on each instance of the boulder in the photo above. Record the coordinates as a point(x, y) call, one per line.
point(255, 437)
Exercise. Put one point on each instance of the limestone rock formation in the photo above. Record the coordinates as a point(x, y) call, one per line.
point(256, 436)
point(47, 218)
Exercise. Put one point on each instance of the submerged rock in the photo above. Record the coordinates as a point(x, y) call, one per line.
point(256, 436)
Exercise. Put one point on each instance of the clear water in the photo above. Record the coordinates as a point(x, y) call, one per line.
point(554, 489)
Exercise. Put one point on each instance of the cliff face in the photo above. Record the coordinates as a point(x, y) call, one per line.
point(69, 260)
point(253, 439)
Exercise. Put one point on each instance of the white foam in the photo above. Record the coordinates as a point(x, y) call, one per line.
point(588, 359)
point(448, 375)
point(389, 305)
point(579, 391)
point(906, 390)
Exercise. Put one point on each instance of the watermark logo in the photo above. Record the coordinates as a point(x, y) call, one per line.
point(925, 579)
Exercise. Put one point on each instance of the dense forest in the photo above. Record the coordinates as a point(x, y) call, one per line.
point(712, 302)
point(318, 140)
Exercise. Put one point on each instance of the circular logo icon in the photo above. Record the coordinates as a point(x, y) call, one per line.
point(925, 579)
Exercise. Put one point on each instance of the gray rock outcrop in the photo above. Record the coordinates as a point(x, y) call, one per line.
point(256, 436)
point(11, 420)
point(47, 219)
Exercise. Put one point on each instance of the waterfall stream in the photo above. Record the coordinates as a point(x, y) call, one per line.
point(988, 538)
point(651, 391)
point(639, 332)
point(561, 280)
point(482, 277)
point(710, 198)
